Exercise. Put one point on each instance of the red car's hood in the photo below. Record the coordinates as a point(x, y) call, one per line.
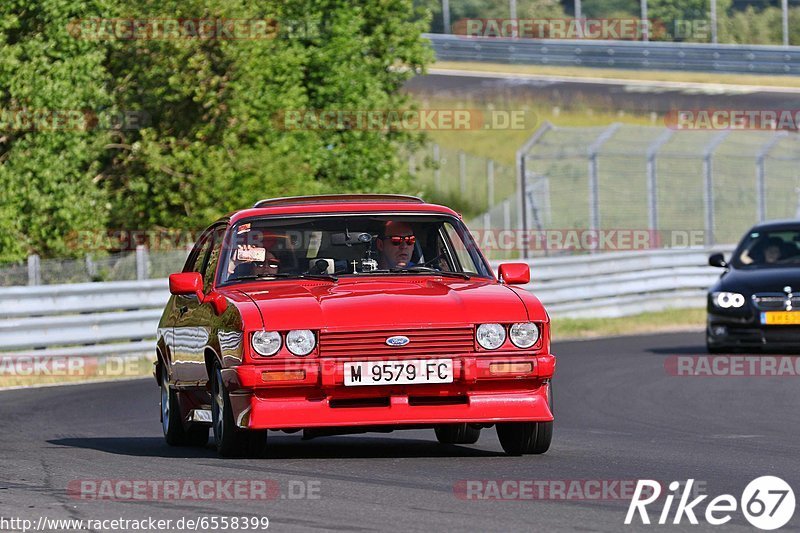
point(366, 303)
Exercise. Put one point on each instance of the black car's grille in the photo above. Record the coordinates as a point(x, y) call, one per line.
point(774, 301)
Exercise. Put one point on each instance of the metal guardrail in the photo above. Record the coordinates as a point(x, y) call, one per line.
point(752, 59)
point(120, 318)
point(622, 283)
point(108, 318)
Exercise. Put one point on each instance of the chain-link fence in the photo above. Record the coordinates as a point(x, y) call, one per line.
point(469, 183)
point(740, 22)
point(683, 187)
point(121, 266)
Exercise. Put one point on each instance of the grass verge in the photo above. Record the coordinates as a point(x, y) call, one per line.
point(622, 74)
point(654, 322)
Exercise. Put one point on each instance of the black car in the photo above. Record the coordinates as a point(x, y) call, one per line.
point(756, 302)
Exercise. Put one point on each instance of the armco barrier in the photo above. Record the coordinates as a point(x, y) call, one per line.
point(622, 283)
point(120, 318)
point(756, 59)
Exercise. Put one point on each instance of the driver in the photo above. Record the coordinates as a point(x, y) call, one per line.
point(396, 245)
point(772, 251)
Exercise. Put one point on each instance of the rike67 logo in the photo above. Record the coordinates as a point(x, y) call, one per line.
point(767, 503)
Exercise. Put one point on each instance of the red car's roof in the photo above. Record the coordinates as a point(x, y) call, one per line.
point(346, 203)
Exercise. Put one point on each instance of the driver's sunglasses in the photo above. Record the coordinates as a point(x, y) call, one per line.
point(397, 239)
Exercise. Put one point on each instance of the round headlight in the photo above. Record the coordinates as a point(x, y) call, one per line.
point(726, 300)
point(524, 335)
point(491, 336)
point(266, 343)
point(301, 341)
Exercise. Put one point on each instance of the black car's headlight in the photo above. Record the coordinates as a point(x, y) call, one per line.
point(727, 300)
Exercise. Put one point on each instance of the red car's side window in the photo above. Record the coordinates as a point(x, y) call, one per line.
point(213, 258)
point(197, 257)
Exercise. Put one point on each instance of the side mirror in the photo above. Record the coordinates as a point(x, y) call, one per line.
point(191, 283)
point(186, 283)
point(515, 273)
point(717, 260)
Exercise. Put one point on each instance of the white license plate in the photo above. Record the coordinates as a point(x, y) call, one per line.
point(398, 372)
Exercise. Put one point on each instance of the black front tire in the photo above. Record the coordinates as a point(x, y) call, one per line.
point(457, 434)
point(171, 423)
point(519, 438)
point(230, 440)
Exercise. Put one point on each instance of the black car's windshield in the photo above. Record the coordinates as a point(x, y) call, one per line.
point(769, 249)
point(330, 246)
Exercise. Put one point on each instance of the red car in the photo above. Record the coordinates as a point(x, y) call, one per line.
point(345, 314)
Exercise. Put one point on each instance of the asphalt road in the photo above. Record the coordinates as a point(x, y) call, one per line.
point(630, 96)
point(619, 416)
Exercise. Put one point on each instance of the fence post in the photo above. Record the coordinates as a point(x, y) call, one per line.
point(594, 175)
point(761, 175)
point(489, 183)
point(437, 171)
point(462, 173)
point(412, 166)
point(714, 21)
point(142, 269)
point(522, 178)
point(785, 21)
point(652, 178)
point(446, 16)
point(91, 267)
point(708, 182)
point(34, 270)
point(506, 214)
point(645, 22)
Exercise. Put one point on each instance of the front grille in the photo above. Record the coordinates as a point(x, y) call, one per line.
point(774, 301)
point(422, 342)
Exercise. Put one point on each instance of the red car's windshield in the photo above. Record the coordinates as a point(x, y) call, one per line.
point(342, 245)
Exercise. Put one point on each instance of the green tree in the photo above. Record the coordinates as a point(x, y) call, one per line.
point(214, 141)
point(47, 171)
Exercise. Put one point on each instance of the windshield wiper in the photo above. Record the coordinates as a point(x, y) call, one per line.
point(429, 270)
point(324, 277)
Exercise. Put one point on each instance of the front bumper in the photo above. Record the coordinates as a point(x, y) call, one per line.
point(726, 332)
point(320, 399)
